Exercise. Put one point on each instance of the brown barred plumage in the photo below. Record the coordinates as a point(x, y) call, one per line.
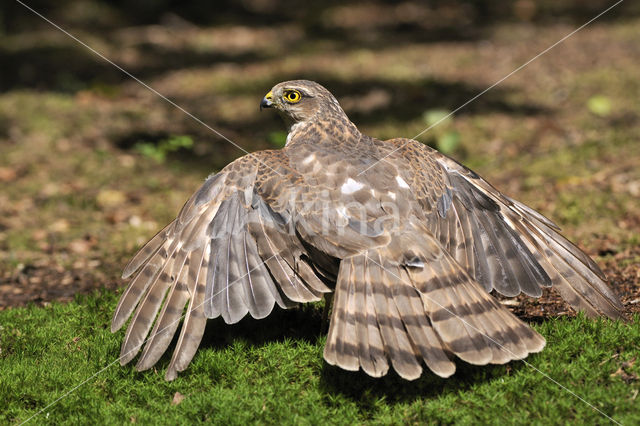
point(411, 241)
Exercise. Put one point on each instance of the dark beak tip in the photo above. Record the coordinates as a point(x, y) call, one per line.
point(265, 103)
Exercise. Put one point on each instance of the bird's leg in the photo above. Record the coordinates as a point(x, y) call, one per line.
point(328, 301)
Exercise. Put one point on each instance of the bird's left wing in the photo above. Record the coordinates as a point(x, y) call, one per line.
point(232, 250)
point(502, 243)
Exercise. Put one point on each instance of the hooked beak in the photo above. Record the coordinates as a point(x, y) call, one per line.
point(267, 101)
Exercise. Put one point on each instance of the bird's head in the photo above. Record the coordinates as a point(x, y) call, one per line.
point(300, 100)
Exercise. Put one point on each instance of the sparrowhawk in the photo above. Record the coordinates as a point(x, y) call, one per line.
point(409, 241)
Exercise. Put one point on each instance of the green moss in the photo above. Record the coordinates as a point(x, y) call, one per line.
point(272, 371)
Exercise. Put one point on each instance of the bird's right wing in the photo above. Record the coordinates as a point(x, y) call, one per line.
point(231, 251)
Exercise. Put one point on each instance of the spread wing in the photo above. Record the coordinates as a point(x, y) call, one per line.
point(502, 243)
point(231, 251)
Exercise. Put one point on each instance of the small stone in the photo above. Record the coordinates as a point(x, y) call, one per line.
point(135, 221)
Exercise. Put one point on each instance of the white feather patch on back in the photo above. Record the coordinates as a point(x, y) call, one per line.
point(351, 186)
point(401, 182)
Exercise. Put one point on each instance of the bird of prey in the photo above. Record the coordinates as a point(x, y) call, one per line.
point(410, 242)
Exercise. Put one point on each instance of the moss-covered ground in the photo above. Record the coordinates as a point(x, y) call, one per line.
point(92, 164)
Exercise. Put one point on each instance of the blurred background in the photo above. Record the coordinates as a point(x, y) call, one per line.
point(92, 163)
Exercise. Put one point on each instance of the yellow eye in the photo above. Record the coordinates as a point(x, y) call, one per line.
point(292, 96)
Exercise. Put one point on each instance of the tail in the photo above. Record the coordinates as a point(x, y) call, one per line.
point(409, 302)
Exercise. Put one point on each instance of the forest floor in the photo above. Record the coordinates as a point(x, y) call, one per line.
point(93, 164)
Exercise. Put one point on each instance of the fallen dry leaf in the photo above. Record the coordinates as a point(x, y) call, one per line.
point(7, 174)
point(116, 216)
point(83, 245)
point(108, 198)
point(177, 398)
point(60, 225)
point(80, 246)
point(624, 373)
point(39, 234)
point(629, 364)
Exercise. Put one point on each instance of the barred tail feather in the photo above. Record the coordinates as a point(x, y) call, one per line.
point(408, 312)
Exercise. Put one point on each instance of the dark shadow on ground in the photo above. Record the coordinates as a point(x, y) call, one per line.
point(305, 323)
point(346, 25)
point(365, 390)
point(301, 323)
